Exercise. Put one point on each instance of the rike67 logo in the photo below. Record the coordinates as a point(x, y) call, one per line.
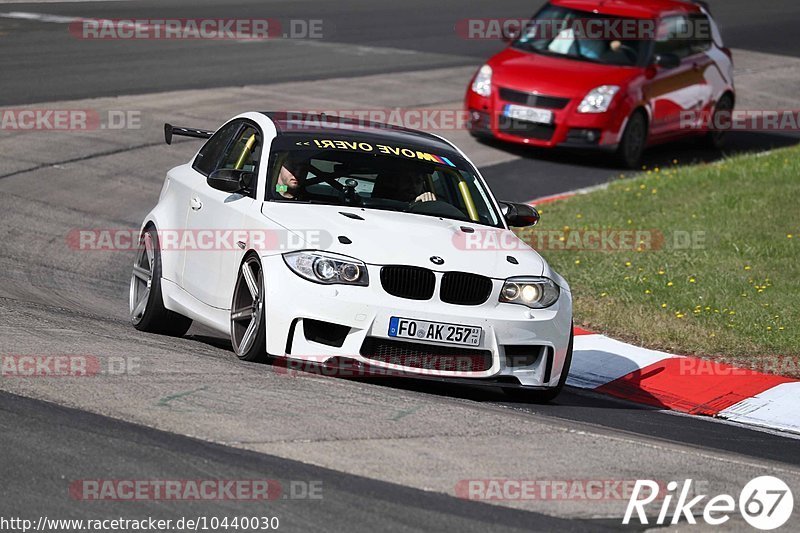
point(765, 503)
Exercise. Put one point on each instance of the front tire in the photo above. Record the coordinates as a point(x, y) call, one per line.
point(634, 140)
point(716, 137)
point(544, 396)
point(248, 316)
point(146, 303)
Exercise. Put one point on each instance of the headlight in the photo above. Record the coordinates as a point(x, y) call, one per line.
point(535, 292)
point(598, 99)
point(482, 84)
point(322, 267)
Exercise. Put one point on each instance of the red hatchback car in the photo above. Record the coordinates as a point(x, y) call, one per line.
point(617, 75)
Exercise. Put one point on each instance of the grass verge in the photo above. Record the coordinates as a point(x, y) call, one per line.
point(715, 271)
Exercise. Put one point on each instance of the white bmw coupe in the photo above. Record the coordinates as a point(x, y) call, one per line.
point(325, 240)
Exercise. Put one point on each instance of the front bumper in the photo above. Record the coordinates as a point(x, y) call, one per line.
point(518, 345)
point(569, 129)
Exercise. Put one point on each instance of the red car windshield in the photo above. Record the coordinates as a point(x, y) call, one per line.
point(584, 36)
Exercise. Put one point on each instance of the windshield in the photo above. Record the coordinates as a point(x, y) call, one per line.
point(379, 176)
point(584, 36)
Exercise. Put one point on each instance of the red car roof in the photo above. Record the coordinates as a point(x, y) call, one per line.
point(648, 9)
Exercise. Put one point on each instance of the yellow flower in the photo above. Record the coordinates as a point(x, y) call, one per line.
point(577, 261)
point(789, 235)
point(747, 267)
point(663, 306)
point(669, 284)
point(647, 291)
point(579, 215)
point(660, 272)
point(627, 263)
point(603, 294)
point(769, 328)
point(691, 280)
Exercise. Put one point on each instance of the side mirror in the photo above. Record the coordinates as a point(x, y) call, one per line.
point(519, 215)
point(667, 61)
point(231, 180)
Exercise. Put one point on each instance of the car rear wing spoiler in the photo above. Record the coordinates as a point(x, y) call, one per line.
point(170, 130)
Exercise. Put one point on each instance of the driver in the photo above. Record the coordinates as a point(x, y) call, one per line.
point(405, 186)
point(291, 178)
point(417, 192)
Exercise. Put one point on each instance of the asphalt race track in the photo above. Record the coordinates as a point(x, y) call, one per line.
point(388, 455)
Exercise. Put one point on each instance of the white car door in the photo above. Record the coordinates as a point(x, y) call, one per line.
point(216, 235)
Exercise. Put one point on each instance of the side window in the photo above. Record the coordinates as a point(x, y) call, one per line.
point(243, 152)
point(674, 36)
point(701, 33)
point(210, 156)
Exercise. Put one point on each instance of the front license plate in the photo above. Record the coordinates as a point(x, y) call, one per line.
point(528, 114)
point(434, 331)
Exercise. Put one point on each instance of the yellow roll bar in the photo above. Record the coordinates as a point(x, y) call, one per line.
point(469, 203)
point(248, 147)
